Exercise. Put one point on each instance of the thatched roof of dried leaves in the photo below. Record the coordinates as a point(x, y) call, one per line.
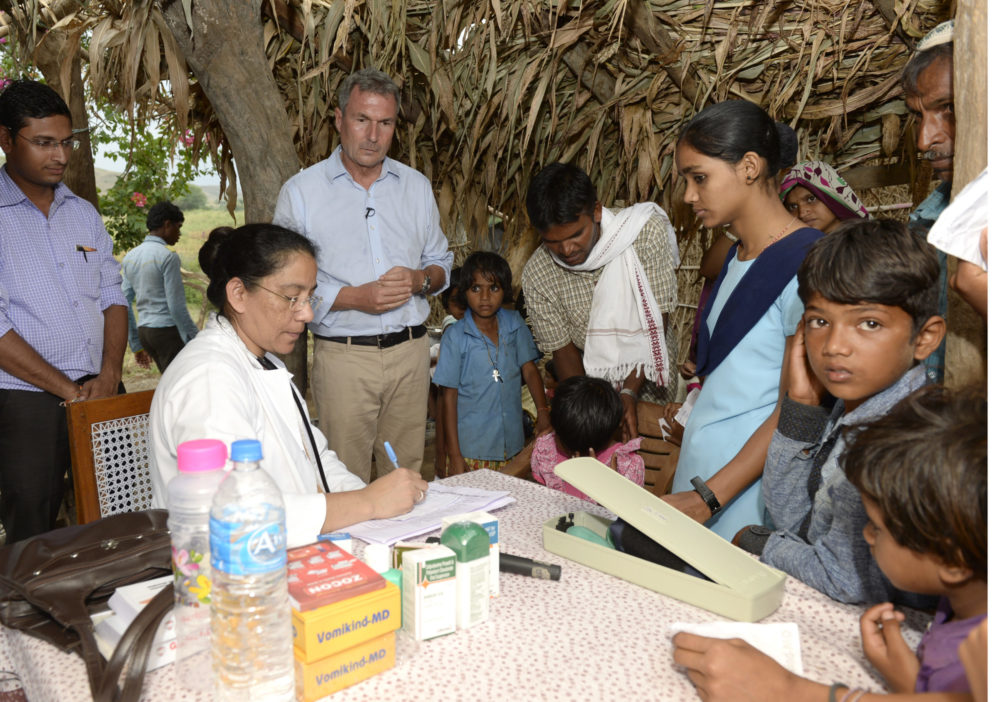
point(494, 90)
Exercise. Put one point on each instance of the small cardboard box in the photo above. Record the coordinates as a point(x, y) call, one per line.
point(317, 679)
point(322, 632)
point(488, 522)
point(430, 604)
point(743, 589)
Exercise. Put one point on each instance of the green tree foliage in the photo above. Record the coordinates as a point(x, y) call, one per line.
point(158, 167)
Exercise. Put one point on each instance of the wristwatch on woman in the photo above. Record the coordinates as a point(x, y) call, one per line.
point(706, 494)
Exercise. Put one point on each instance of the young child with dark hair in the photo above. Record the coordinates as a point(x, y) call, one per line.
point(453, 303)
point(870, 318)
point(586, 413)
point(483, 358)
point(921, 474)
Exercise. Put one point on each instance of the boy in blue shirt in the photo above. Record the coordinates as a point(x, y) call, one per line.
point(870, 318)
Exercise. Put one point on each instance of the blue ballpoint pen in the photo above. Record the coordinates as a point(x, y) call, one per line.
point(391, 454)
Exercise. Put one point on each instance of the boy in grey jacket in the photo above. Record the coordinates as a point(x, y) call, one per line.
point(870, 319)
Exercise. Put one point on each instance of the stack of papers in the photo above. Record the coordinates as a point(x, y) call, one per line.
point(440, 501)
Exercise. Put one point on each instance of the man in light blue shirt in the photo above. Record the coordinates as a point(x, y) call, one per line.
point(151, 276)
point(62, 313)
point(381, 254)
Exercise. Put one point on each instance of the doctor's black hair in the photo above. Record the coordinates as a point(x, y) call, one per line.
point(28, 99)
point(251, 252)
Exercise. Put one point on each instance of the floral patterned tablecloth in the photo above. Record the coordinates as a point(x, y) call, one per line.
point(588, 636)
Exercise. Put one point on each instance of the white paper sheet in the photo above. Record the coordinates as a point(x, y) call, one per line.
point(957, 230)
point(779, 640)
point(441, 501)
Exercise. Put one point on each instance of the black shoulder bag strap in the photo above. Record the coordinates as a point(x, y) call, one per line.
point(132, 652)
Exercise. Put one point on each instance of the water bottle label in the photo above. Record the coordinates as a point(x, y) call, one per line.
point(191, 574)
point(241, 548)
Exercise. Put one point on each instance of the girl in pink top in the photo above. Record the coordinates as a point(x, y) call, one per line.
point(586, 412)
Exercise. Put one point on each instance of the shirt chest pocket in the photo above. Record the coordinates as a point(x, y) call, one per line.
point(85, 276)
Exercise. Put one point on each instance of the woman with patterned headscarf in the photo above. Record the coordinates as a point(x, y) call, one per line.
point(815, 193)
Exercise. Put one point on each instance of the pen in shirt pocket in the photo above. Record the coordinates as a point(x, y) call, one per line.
point(84, 250)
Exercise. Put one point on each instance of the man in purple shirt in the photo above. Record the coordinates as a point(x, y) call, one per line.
point(63, 321)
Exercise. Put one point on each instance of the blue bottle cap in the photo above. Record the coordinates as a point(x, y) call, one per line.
point(245, 450)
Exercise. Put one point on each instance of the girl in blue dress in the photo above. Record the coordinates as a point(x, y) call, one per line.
point(729, 155)
point(483, 358)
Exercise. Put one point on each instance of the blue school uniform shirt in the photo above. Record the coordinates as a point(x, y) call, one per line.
point(735, 400)
point(489, 413)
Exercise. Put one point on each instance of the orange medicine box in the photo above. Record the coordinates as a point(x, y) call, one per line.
point(327, 675)
point(327, 630)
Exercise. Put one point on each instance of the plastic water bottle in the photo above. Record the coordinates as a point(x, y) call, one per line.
point(189, 500)
point(251, 616)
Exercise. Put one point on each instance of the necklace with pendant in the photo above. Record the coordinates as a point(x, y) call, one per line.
point(496, 371)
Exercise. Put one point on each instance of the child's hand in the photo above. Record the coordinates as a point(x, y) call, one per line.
point(543, 424)
point(803, 386)
point(884, 646)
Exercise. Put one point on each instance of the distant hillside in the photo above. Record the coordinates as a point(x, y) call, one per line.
point(106, 180)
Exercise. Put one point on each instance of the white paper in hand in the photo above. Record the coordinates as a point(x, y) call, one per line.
point(779, 640)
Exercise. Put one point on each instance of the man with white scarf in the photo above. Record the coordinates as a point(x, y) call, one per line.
point(601, 287)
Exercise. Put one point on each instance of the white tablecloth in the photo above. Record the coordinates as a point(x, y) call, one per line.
point(588, 636)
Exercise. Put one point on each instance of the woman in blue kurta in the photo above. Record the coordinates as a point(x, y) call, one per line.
point(729, 155)
point(482, 360)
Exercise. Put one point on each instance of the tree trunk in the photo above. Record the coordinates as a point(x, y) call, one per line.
point(224, 49)
point(965, 359)
point(49, 57)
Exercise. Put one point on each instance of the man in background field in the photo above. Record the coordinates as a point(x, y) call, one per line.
point(151, 276)
point(62, 313)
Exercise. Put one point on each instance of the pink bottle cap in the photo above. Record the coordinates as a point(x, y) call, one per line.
point(201, 455)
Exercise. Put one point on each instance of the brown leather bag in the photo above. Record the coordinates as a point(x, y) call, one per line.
point(50, 584)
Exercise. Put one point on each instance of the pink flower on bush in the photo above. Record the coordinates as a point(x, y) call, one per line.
point(4, 82)
point(188, 138)
point(139, 199)
point(3, 40)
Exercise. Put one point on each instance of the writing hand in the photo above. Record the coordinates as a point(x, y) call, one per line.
point(396, 492)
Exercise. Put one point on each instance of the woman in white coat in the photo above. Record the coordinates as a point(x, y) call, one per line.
point(227, 384)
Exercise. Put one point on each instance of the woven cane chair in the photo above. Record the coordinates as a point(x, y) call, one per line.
point(109, 451)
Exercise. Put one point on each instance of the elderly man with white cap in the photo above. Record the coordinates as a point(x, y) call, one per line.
point(927, 87)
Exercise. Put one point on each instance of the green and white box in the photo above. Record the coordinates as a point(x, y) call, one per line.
point(488, 522)
point(429, 594)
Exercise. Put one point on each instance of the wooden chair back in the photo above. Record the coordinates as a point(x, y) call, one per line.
point(660, 456)
point(109, 452)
